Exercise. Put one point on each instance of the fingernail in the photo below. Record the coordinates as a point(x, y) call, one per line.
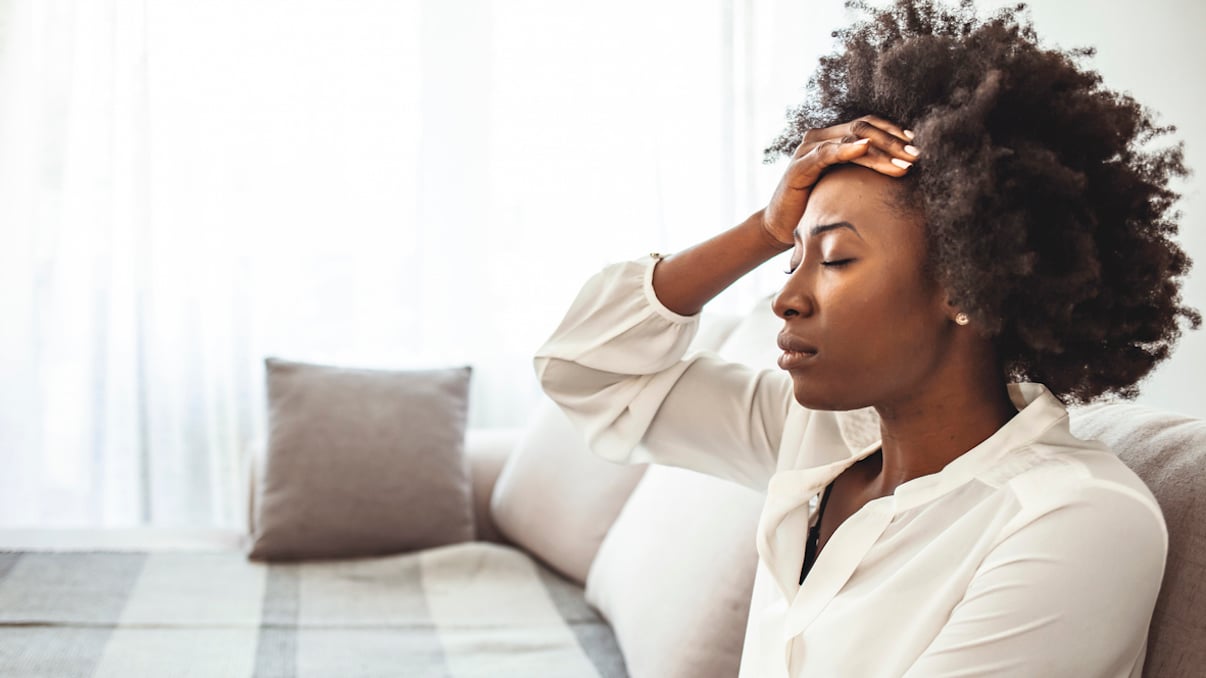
point(864, 140)
point(912, 150)
point(909, 134)
point(902, 164)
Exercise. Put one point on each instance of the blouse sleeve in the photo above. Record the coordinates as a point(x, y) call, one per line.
point(616, 366)
point(1071, 593)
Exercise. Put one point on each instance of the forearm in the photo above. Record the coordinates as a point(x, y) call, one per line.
point(618, 367)
point(687, 280)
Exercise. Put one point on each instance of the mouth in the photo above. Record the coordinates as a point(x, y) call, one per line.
point(791, 360)
point(796, 352)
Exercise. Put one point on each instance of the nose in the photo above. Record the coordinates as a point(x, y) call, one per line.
point(795, 299)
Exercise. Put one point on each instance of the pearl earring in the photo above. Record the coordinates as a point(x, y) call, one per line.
point(961, 318)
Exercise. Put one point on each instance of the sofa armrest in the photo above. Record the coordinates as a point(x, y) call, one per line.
point(486, 451)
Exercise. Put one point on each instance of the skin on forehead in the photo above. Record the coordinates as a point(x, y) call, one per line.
point(870, 202)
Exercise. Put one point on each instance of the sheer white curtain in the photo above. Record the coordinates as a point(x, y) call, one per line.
point(188, 187)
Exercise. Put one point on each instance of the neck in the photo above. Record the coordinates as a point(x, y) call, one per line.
point(925, 432)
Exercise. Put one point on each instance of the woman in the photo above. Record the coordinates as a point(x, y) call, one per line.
point(1005, 251)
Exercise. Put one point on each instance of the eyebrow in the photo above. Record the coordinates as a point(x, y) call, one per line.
point(824, 228)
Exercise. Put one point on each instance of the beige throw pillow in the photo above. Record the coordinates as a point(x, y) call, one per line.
point(361, 462)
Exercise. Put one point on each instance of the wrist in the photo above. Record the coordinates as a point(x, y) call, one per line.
point(767, 235)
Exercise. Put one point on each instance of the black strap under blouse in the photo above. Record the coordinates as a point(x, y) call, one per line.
point(814, 534)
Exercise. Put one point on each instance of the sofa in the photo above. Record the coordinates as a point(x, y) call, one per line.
point(576, 567)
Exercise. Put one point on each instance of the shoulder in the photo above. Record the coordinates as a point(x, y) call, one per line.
point(1067, 486)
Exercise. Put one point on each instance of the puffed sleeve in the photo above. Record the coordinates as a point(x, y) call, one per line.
point(617, 366)
point(1068, 593)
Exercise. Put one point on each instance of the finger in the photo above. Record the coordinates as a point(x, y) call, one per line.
point(888, 126)
point(879, 165)
point(878, 159)
point(883, 163)
point(839, 151)
point(885, 135)
point(888, 142)
point(805, 171)
point(814, 137)
point(811, 138)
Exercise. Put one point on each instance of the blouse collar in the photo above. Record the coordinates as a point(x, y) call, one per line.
point(783, 525)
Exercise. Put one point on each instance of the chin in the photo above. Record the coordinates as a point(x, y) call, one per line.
point(816, 396)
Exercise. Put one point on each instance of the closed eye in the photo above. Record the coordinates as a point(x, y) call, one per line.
point(838, 263)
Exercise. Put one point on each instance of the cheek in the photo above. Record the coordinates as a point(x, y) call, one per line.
point(883, 310)
point(878, 336)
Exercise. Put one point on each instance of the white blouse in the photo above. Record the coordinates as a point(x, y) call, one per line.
point(1034, 553)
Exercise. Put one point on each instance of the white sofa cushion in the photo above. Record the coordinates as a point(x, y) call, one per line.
point(487, 451)
point(556, 499)
point(674, 575)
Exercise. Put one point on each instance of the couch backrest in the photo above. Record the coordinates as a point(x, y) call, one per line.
point(1168, 451)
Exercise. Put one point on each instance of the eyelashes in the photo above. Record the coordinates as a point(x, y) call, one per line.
point(837, 263)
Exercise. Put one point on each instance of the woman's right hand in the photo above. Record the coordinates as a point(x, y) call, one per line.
point(688, 279)
point(869, 141)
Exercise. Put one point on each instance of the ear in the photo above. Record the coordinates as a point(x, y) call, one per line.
point(946, 305)
point(954, 313)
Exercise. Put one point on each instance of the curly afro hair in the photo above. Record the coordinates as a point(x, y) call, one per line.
point(1047, 222)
